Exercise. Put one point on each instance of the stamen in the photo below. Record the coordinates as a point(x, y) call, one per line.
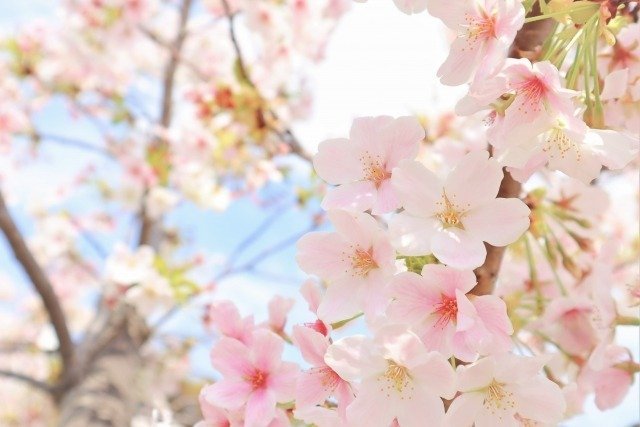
point(449, 216)
point(497, 399)
point(374, 169)
point(447, 310)
point(363, 262)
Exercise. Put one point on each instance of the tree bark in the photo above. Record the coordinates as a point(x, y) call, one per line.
point(107, 387)
point(530, 37)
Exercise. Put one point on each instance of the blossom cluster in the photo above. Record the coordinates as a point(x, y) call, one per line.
point(412, 246)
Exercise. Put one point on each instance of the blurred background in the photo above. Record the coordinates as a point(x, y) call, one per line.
point(377, 61)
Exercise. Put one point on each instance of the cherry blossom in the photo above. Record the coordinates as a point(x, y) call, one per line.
point(315, 385)
point(568, 145)
point(254, 376)
point(362, 165)
point(356, 260)
point(447, 319)
point(396, 369)
point(451, 218)
point(498, 390)
point(485, 29)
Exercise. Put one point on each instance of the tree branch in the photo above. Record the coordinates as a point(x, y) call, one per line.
point(148, 226)
point(285, 134)
point(40, 282)
point(526, 43)
point(27, 380)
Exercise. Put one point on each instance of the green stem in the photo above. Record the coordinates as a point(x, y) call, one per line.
point(560, 13)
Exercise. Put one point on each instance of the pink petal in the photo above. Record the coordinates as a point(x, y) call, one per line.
point(499, 222)
point(474, 181)
point(313, 345)
point(314, 387)
point(461, 63)
point(358, 196)
point(437, 375)
point(230, 357)
point(463, 410)
point(617, 149)
point(322, 254)
point(413, 298)
point(261, 409)
point(437, 336)
point(386, 199)
point(411, 6)
point(403, 137)
point(266, 350)
point(476, 376)
point(421, 407)
point(448, 279)
point(340, 302)
point(282, 381)
point(411, 235)
point(359, 229)
point(458, 249)
point(417, 188)
point(228, 394)
point(353, 357)
point(367, 409)
point(540, 399)
point(615, 84)
point(367, 129)
point(493, 312)
point(337, 162)
point(611, 386)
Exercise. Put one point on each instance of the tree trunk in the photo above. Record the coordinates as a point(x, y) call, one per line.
point(110, 389)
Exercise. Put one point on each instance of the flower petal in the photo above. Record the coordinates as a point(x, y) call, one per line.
point(474, 181)
point(337, 162)
point(411, 235)
point(457, 248)
point(499, 222)
point(417, 188)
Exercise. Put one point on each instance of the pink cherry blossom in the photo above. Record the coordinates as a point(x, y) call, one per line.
point(279, 308)
point(535, 90)
point(254, 377)
point(446, 317)
point(611, 382)
point(362, 165)
point(452, 218)
point(357, 260)
point(486, 29)
point(320, 382)
point(498, 390)
point(225, 318)
point(399, 379)
point(568, 321)
point(568, 145)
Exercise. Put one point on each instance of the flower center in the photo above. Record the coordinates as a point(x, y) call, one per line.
point(374, 170)
point(363, 262)
point(449, 215)
point(397, 376)
point(532, 91)
point(558, 143)
point(446, 310)
point(258, 379)
point(497, 399)
point(481, 27)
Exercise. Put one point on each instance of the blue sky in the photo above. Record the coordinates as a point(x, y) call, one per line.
point(379, 62)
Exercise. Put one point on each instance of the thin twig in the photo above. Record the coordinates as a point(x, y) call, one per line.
point(148, 226)
point(27, 380)
point(75, 143)
point(40, 282)
point(286, 135)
